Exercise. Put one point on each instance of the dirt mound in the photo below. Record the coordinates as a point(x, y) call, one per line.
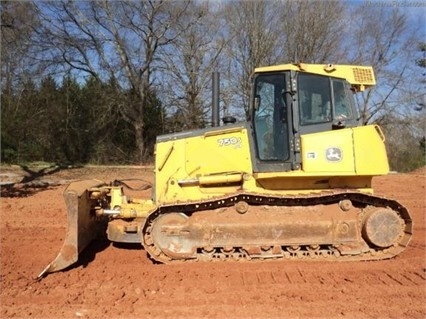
point(112, 281)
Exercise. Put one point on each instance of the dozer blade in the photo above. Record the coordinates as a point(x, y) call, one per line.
point(82, 225)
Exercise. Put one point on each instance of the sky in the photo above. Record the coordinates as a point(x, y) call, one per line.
point(416, 9)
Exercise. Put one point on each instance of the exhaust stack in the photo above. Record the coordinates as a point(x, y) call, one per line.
point(215, 99)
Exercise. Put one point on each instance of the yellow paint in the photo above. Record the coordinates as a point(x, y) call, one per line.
point(219, 163)
point(198, 166)
point(370, 151)
point(328, 153)
point(210, 159)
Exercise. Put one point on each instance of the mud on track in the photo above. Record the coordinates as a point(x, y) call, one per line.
point(122, 282)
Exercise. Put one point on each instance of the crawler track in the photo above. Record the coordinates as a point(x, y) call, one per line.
point(337, 225)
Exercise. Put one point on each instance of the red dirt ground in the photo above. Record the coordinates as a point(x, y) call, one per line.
point(112, 282)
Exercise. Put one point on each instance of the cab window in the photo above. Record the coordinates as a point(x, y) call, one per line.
point(270, 118)
point(314, 99)
point(342, 106)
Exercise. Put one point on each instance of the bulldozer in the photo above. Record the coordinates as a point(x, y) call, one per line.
point(292, 182)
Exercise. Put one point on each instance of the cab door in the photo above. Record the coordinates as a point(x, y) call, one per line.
point(272, 123)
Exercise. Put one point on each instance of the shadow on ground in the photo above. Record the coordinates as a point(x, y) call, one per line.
point(33, 181)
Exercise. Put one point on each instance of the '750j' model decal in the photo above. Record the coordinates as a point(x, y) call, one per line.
point(230, 141)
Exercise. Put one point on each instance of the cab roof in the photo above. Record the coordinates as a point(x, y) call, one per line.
point(360, 77)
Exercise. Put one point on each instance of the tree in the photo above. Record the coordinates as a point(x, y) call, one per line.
point(22, 123)
point(189, 64)
point(116, 40)
point(312, 30)
point(406, 148)
point(50, 100)
point(420, 62)
point(382, 38)
point(255, 41)
point(77, 121)
point(128, 67)
point(270, 32)
point(18, 21)
point(154, 121)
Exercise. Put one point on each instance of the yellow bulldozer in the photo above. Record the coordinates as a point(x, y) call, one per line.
point(293, 182)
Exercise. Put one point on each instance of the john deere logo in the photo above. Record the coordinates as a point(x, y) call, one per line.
point(333, 154)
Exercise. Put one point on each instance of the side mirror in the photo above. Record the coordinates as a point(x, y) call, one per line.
point(253, 106)
point(338, 125)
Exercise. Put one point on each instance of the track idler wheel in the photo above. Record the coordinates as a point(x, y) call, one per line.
point(169, 234)
point(383, 227)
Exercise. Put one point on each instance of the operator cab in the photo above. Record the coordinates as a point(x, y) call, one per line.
point(288, 104)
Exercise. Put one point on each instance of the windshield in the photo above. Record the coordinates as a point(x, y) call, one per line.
point(270, 118)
